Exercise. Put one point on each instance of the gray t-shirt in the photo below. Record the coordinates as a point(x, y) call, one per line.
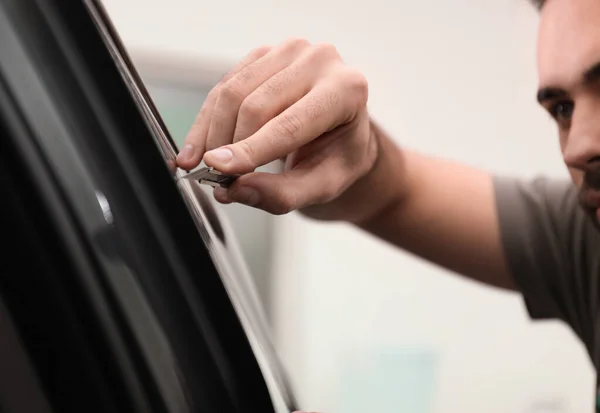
point(552, 248)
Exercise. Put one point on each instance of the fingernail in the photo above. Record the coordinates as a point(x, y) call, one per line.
point(221, 155)
point(187, 153)
point(246, 195)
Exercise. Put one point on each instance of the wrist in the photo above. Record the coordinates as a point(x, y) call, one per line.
point(383, 186)
point(376, 191)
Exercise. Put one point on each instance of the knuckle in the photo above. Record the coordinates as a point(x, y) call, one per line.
point(356, 82)
point(214, 93)
point(275, 85)
point(230, 93)
point(260, 51)
point(252, 109)
point(363, 153)
point(225, 78)
point(319, 106)
point(243, 77)
point(325, 51)
point(322, 103)
point(296, 43)
point(254, 55)
point(203, 114)
point(330, 100)
point(289, 125)
point(287, 203)
point(247, 151)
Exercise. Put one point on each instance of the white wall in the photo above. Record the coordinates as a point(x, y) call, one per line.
point(456, 78)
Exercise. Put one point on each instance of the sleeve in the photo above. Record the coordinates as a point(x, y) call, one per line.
point(548, 241)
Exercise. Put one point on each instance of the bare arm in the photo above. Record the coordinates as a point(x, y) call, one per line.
point(440, 210)
point(300, 102)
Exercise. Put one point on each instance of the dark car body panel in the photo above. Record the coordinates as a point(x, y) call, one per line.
point(122, 283)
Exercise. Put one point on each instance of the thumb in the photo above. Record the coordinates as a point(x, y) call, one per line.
point(284, 192)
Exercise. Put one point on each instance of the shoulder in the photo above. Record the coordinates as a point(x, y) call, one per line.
point(549, 243)
point(542, 207)
point(540, 192)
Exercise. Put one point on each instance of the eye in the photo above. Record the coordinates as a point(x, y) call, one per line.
point(562, 112)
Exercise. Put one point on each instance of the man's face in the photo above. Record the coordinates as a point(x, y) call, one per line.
point(569, 75)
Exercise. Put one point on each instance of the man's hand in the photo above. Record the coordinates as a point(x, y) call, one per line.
point(300, 102)
point(297, 102)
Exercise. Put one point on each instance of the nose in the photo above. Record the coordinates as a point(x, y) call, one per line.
point(581, 149)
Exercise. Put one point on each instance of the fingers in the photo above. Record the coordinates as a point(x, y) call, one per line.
point(194, 144)
point(315, 183)
point(234, 91)
point(284, 88)
point(331, 103)
point(270, 99)
point(296, 102)
point(195, 141)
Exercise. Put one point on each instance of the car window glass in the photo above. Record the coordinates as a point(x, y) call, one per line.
point(215, 230)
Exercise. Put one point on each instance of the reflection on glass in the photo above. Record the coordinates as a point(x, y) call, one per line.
point(214, 229)
point(179, 103)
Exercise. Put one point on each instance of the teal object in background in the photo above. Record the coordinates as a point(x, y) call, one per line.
point(178, 121)
point(382, 380)
point(389, 381)
point(178, 108)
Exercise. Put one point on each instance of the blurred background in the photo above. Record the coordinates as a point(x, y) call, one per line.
point(362, 326)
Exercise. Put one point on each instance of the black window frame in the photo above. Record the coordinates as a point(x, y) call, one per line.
point(69, 127)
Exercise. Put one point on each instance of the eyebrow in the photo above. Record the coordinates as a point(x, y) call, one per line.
point(591, 75)
point(550, 93)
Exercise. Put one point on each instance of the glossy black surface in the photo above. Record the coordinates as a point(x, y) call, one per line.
point(119, 280)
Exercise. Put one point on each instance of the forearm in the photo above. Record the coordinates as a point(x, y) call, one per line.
point(385, 186)
point(439, 210)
